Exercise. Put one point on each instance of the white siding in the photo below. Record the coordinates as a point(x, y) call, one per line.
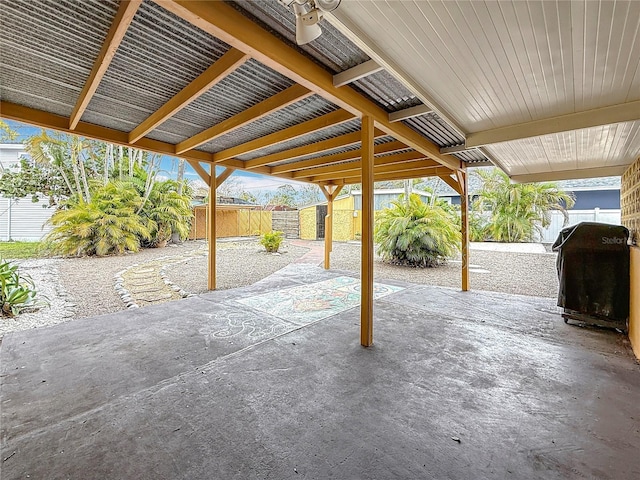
point(21, 219)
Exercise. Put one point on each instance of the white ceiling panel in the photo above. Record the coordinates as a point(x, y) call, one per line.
point(491, 64)
point(597, 147)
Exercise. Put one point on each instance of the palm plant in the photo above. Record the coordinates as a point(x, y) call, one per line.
point(108, 224)
point(517, 211)
point(168, 211)
point(413, 233)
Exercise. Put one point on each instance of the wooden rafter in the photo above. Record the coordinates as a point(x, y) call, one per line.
point(405, 168)
point(226, 64)
point(121, 22)
point(224, 22)
point(346, 140)
point(310, 126)
point(280, 100)
point(397, 158)
point(388, 147)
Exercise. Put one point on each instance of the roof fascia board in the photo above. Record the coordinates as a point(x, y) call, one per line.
point(124, 16)
point(623, 112)
point(570, 174)
point(410, 112)
point(227, 24)
point(356, 73)
point(225, 65)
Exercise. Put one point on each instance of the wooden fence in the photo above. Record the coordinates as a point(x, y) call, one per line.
point(230, 222)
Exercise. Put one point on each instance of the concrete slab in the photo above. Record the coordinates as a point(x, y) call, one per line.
point(457, 386)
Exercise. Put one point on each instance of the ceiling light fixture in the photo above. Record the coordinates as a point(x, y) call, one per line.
point(308, 14)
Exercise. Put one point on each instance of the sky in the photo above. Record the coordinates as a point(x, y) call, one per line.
point(251, 182)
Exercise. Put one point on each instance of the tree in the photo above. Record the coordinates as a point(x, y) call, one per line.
point(416, 234)
point(7, 134)
point(515, 211)
point(309, 194)
point(284, 195)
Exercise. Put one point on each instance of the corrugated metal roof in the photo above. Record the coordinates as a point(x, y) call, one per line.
point(332, 49)
point(331, 132)
point(175, 53)
point(44, 62)
point(435, 129)
point(386, 91)
point(306, 109)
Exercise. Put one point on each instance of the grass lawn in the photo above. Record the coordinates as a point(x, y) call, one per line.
point(19, 249)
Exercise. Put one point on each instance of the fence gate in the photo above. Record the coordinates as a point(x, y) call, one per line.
point(321, 213)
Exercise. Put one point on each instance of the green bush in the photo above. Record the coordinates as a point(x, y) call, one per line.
point(107, 225)
point(413, 233)
point(271, 241)
point(17, 292)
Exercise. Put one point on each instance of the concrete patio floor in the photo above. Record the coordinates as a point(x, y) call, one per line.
point(240, 384)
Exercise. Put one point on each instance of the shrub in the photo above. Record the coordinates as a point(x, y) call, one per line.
point(413, 233)
point(17, 292)
point(107, 225)
point(271, 241)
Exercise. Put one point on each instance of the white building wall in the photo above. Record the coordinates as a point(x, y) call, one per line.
point(21, 219)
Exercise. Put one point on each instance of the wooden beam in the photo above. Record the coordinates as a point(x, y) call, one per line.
point(204, 175)
point(317, 147)
point(346, 167)
point(356, 73)
point(52, 121)
point(388, 147)
point(330, 192)
point(310, 126)
point(464, 229)
point(280, 100)
point(355, 176)
point(453, 183)
point(226, 173)
point(226, 23)
point(89, 130)
point(225, 65)
point(410, 112)
point(124, 16)
point(623, 112)
point(212, 232)
point(366, 277)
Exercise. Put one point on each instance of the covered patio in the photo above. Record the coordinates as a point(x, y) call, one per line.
point(234, 384)
point(270, 381)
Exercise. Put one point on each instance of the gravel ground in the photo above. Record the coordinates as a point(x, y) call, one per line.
point(518, 273)
point(238, 265)
point(84, 287)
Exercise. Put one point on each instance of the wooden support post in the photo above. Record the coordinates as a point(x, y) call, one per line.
point(464, 230)
point(330, 192)
point(366, 277)
point(212, 230)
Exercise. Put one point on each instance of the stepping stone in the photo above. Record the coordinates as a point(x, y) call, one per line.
point(148, 290)
point(150, 299)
